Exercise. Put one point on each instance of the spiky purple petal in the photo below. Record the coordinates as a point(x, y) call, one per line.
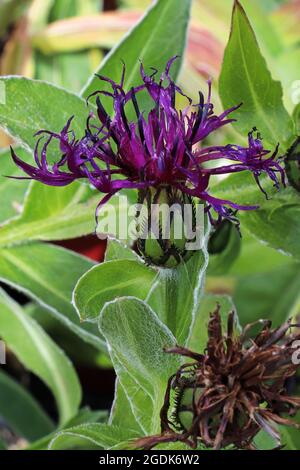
point(163, 147)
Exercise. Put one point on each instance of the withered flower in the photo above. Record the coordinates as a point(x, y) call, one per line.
point(232, 391)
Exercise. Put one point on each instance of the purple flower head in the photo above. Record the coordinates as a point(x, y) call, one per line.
point(162, 148)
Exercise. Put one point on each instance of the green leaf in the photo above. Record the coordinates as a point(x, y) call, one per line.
point(243, 189)
point(136, 338)
point(277, 222)
point(30, 105)
point(245, 78)
point(270, 295)
point(52, 213)
point(48, 274)
point(82, 353)
point(68, 70)
point(224, 247)
point(116, 250)
point(256, 257)
point(290, 437)
point(264, 283)
point(12, 191)
point(121, 412)
point(296, 115)
point(109, 280)
point(84, 416)
point(36, 350)
point(178, 446)
point(263, 441)
point(18, 408)
point(176, 294)
point(2, 445)
point(91, 436)
point(208, 304)
point(148, 41)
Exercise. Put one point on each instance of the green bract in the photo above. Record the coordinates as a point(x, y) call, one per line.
point(162, 225)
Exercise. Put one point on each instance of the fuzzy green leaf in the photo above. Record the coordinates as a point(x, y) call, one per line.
point(48, 275)
point(37, 351)
point(246, 79)
point(19, 408)
point(109, 280)
point(12, 191)
point(136, 339)
point(27, 106)
point(91, 437)
point(148, 41)
point(84, 416)
point(176, 294)
point(52, 213)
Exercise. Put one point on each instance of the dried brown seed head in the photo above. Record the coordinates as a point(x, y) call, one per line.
point(236, 388)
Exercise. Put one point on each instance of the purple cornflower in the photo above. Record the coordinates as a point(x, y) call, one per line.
point(164, 148)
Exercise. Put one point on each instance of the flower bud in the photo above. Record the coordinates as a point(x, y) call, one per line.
point(166, 224)
point(292, 164)
point(220, 237)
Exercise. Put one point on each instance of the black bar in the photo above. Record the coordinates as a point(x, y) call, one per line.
point(137, 459)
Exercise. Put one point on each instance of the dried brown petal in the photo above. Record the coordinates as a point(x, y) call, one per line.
point(226, 396)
